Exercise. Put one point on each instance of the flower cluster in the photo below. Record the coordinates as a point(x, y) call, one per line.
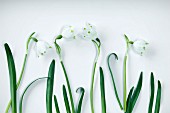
point(88, 32)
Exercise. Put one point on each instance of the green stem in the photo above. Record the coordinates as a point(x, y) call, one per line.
point(23, 67)
point(68, 86)
point(22, 71)
point(92, 87)
point(8, 106)
point(97, 44)
point(124, 82)
point(124, 71)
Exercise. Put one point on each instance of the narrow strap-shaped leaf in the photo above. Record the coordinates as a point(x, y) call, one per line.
point(66, 101)
point(56, 104)
point(129, 97)
point(49, 89)
point(152, 85)
point(113, 81)
point(137, 90)
point(79, 106)
point(12, 76)
point(102, 90)
point(158, 98)
point(22, 97)
point(135, 94)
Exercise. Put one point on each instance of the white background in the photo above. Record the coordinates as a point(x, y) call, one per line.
point(147, 20)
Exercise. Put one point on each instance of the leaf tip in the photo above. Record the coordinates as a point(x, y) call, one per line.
point(159, 84)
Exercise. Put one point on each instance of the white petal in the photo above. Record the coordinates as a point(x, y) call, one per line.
point(140, 46)
point(89, 32)
point(68, 32)
point(41, 48)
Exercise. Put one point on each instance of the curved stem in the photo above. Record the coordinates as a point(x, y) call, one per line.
point(113, 81)
point(93, 73)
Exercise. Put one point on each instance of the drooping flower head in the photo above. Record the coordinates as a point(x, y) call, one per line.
point(139, 46)
point(68, 32)
point(89, 32)
point(41, 47)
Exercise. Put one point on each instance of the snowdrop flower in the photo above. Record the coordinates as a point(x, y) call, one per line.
point(42, 47)
point(139, 46)
point(89, 32)
point(68, 32)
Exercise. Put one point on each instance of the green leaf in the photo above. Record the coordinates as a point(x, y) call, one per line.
point(102, 90)
point(158, 98)
point(79, 106)
point(12, 76)
point(56, 104)
point(135, 95)
point(22, 97)
point(152, 93)
point(113, 81)
point(66, 101)
point(129, 96)
point(49, 90)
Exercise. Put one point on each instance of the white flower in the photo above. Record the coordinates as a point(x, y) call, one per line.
point(89, 32)
point(68, 32)
point(139, 46)
point(41, 48)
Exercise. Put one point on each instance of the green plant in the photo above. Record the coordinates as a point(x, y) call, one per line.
point(90, 34)
point(23, 67)
point(133, 94)
point(139, 47)
point(41, 48)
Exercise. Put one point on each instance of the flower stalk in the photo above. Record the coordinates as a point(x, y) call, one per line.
point(124, 72)
point(97, 44)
